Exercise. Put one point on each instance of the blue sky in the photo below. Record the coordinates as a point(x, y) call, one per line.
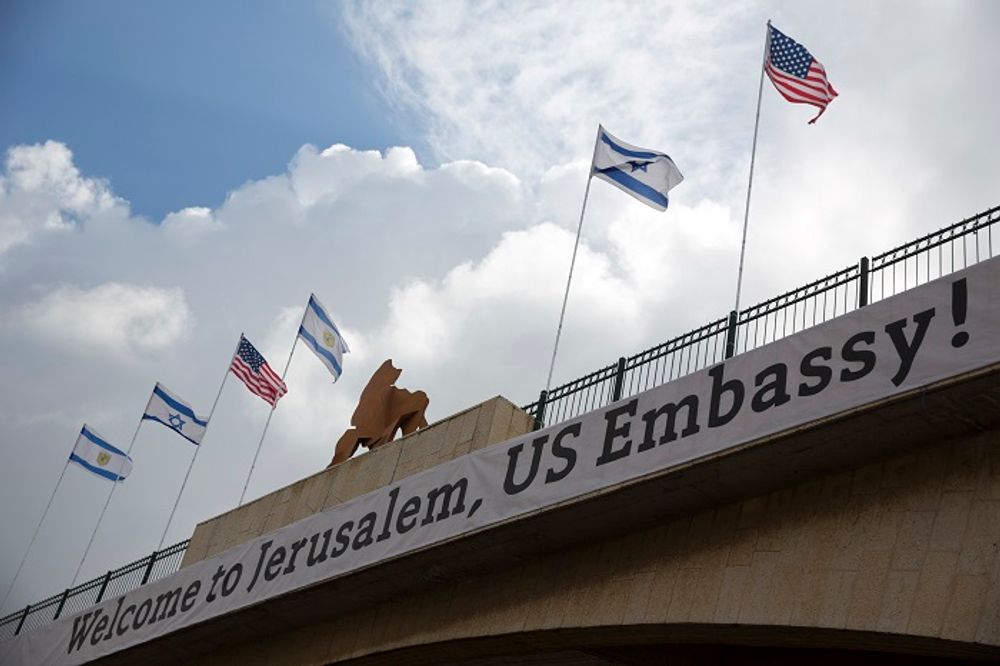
point(178, 103)
point(420, 168)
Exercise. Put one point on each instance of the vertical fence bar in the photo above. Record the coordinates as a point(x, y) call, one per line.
point(619, 379)
point(863, 268)
point(104, 587)
point(731, 335)
point(62, 603)
point(149, 568)
point(24, 616)
point(540, 412)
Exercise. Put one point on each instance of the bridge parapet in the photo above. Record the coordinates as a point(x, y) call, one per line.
point(490, 422)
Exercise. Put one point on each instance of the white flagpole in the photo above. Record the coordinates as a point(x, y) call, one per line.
point(271, 413)
point(100, 518)
point(198, 448)
point(34, 536)
point(753, 155)
point(572, 263)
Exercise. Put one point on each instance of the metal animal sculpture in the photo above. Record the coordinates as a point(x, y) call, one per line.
point(382, 410)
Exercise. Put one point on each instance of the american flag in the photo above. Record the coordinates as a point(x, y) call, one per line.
point(254, 371)
point(798, 76)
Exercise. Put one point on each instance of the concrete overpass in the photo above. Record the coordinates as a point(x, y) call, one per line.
point(733, 515)
point(870, 536)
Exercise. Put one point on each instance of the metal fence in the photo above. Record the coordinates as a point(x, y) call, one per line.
point(871, 279)
point(919, 261)
point(112, 584)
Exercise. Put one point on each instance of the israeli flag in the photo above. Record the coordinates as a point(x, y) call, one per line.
point(320, 333)
point(176, 414)
point(645, 174)
point(93, 453)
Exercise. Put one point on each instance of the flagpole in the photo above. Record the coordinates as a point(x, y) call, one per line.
point(271, 413)
point(753, 156)
point(100, 518)
point(198, 449)
point(34, 536)
point(572, 263)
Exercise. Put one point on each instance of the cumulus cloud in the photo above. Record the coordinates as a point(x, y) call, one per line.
point(42, 191)
point(191, 222)
point(114, 318)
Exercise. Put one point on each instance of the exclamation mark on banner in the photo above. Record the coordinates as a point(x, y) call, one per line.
point(959, 306)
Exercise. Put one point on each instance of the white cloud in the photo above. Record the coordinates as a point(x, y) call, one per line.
point(524, 85)
point(114, 318)
point(191, 222)
point(42, 191)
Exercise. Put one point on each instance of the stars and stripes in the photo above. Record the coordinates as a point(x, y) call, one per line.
point(253, 370)
point(799, 77)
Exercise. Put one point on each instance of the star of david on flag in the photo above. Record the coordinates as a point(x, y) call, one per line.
point(93, 453)
point(799, 77)
point(645, 174)
point(168, 409)
point(253, 370)
point(322, 336)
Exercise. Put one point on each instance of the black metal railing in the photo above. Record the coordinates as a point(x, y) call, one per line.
point(922, 260)
point(112, 584)
point(871, 279)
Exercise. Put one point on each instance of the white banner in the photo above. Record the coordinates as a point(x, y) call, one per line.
point(935, 331)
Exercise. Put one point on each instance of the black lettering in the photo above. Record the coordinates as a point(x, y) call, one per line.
point(613, 431)
point(366, 530)
point(670, 428)
point(99, 628)
point(777, 388)
point(81, 627)
point(908, 351)
point(111, 629)
point(166, 605)
point(446, 491)
point(564, 452)
point(274, 563)
point(315, 558)
point(719, 387)
point(296, 547)
point(822, 373)
point(232, 579)
point(343, 539)
point(264, 547)
point(190, 594)
point(410, 509)
point(388, 516)
point(513, 453)
point(851, 354)
point(122, 625)
point(219, 573)
point(142, 613)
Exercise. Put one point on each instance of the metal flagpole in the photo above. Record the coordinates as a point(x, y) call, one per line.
point(34, 536)
point(198, 448)
point(572, 263)
point(753, 155)
point(106, 503)
point(271, 413)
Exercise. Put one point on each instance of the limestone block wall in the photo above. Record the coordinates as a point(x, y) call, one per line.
point(905, 547)
point(493, 421)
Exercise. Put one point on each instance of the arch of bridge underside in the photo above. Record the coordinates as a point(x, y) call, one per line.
point(683, 645)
